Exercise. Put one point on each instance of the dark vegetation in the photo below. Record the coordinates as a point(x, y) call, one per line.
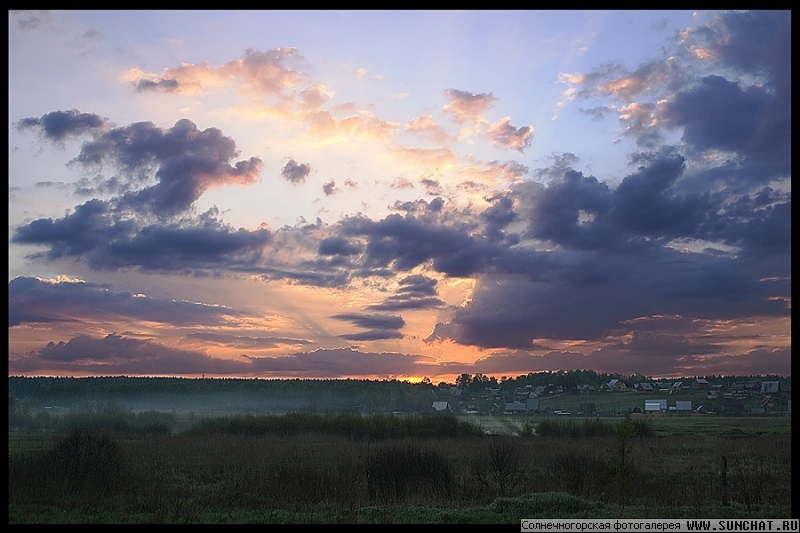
point(105, 464)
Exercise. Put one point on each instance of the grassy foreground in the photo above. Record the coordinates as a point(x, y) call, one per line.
point(510, 510)
point(313, 468)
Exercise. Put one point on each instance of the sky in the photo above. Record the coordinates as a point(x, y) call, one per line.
point(399, 194)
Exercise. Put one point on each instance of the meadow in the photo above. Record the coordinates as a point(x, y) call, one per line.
point(309, 467)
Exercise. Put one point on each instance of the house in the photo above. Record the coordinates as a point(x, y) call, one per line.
point(700, 383)
point(532, 404)
point(683, 405)
point(616, 385)
point(442, 406)
point(769, 403)
point(514, 408)
point(770, 387)
point(744, 386)
point(643, 387)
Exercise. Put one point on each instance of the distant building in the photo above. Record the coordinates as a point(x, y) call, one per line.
point(514, 408)
point(616, 385)
point(770, 387)
point(655, 406)
point(700, 383)
point(683, 406)
point(441, 406)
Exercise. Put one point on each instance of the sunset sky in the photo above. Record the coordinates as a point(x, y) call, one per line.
point(398, 194)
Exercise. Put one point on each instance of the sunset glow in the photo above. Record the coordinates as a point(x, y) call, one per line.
point(399, 194)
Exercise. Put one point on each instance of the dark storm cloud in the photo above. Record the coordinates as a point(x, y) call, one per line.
point(33, 300)
point(498, 216)
point(379, 326)
point(295, 172)
point(102, 236)
point(414, 292)
point(143, 228)
point(726, 85)
point(592, 294)
point(338, 246)
point(404, 242)
point(372, 321)
point(184, 160)
point(649, 206)
point(187, 162)
point(718, 114)
point(757, 42)
point(57, 125)
point(118, 355)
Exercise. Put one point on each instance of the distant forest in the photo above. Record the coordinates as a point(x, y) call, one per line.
point(217, 394)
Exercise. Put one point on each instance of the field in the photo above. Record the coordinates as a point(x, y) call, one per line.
point(333, 468)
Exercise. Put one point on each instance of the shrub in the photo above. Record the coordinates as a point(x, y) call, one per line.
point(87, 464)
point(394, 473)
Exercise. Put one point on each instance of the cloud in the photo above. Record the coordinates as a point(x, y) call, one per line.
point(466, 107)
point(366, 126)
point(378, 326)
point(30, 20)
point(730, 98)
point(505, 135)
point(414, 292)
point(244, 341)
point(338, 246)
point(330, 188)
point(118, 355)
point(719, 114)
point(36, 300)
point(58, 125)
point(426, 127)
point(346, 362)
point(372, 321)
point(295, 172)
point(106, 239)
point(265, 73)
point(146, 227)
point(166, 85)
point(184, 160)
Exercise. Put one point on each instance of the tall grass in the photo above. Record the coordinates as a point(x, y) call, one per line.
point(356, 426)
point(213, 475)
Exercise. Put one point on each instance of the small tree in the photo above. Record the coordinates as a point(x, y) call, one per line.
point(504, 468)
point(624, 432)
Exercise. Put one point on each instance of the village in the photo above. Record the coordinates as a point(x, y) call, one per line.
point(617, 397)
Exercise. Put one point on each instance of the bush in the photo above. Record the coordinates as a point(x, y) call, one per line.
point(394, 473)
point(87, 464)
